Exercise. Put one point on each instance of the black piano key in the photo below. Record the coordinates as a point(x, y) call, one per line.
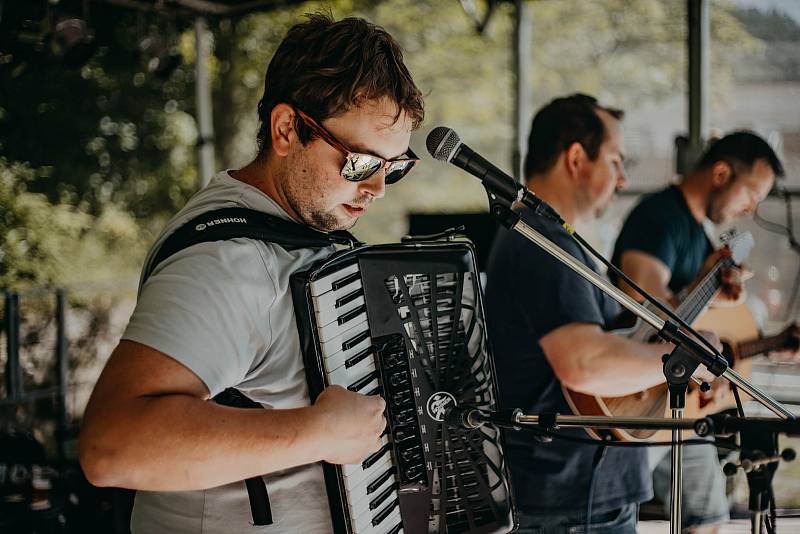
point(397, 528)
point(353, 360)
point(350, 278)
point(352, 314)
point(383, 514)
point(375, 484)
point(379, 499)
point(350, 297)
point(355, 340)
point(375, 456)
point(357, 386)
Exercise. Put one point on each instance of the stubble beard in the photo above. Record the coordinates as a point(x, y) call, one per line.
point(300, 193)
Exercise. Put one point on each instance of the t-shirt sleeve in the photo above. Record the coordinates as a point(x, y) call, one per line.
point(553, 294)
point(650, 231)
point(208, 308)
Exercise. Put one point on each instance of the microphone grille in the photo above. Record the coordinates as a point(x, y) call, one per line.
point(442, 143)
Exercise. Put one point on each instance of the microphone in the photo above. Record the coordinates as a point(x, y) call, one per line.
point(444, 144)
point(471, 418)
point(466, 417)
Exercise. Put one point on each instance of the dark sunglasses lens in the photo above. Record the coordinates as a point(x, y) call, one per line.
point(397, 170)
point(359, 167)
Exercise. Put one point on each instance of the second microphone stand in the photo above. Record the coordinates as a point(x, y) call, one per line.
point(678, 366)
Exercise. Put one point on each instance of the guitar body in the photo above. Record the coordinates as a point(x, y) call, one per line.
point(732, 325)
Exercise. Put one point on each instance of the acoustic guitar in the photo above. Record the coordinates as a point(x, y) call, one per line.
point(654, 401)
point(740, 339)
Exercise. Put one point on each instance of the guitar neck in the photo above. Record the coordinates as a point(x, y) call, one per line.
point(754, 347)
point(697, 300)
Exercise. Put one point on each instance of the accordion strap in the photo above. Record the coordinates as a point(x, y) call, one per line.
point(233, 223)
point(256, 487)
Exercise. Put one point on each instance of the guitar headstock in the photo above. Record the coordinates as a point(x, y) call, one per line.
point(740, 243)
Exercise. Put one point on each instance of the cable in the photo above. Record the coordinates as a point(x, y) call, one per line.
point(631, 444)
point(599, 454)
point(768, 225)
point(739, 406)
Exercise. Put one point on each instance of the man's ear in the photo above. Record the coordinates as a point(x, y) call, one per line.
point(721, 174)
point(281, 125)
point(574, 158)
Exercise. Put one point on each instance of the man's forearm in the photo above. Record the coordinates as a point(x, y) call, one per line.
point(623, 367)
point(180, 442)
point(588, 360)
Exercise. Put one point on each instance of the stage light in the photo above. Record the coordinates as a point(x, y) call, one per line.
point(161, 59)
point(73, 41)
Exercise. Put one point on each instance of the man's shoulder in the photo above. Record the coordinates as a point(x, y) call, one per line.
point(664, 200)
point(662, 209)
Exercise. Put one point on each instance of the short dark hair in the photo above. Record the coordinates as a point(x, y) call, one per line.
point(740, 150)
point(565, 120)
point(326, 67)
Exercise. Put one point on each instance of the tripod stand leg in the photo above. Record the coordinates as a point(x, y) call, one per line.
point(677, 476)
point(756, 523)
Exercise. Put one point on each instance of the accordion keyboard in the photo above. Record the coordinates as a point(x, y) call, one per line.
point(406, 323)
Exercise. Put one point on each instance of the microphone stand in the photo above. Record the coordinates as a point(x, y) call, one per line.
point(759, 438)
point(678, 366)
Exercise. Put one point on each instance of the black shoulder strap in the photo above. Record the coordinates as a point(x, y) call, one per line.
point(260, 507)
point(232, 223)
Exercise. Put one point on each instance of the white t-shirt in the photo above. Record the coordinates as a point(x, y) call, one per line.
point(224, 310)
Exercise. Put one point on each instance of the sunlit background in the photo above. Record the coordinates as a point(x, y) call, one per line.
point(98, 141)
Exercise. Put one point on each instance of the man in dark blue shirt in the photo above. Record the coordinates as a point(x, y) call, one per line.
point(546, 324)
point(663, 247)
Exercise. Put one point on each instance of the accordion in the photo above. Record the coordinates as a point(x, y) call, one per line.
point(406, 322)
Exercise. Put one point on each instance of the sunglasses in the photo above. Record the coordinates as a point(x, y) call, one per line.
point(357, 166)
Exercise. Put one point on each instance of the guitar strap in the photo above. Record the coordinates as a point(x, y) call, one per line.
point(233, 223)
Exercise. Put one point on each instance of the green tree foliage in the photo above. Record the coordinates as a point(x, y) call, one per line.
point(778, 60)
point(45, 244)
point(109, 130)
point(113, 133)
point(769, 25)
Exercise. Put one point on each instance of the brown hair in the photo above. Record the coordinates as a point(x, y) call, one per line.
point(325, 68)
point(565, 120)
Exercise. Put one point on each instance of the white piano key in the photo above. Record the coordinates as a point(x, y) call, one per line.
point(357, 474)
point(342, 376)
point(334, 329)
point(355, 471)
point(327, 300)
point(392, 516)
point(332, 315)
point(359, 500)
point(363, 522)
point(369, 387)
point(391, 521)
point(323, 285)
point(334, 345)
point(336, 360)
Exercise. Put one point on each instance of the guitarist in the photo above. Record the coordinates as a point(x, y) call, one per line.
point(663, 247)
point(546, 324)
